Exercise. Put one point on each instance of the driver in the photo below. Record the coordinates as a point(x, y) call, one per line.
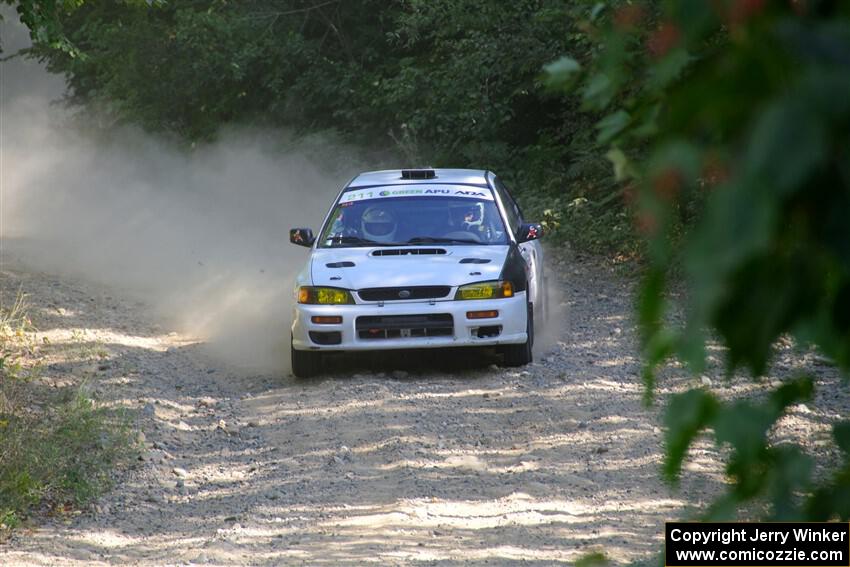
point(379, 224)
point(465, 217)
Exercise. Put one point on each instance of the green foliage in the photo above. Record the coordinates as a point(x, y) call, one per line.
point(417, 81)
point(46, 18)
point(731, 120)
point(453, 79)
point(687, 415)
point(593, 559)
point(756, 469)
point(60, 460)
point(57, 449)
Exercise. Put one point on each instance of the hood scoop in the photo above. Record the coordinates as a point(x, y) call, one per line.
point(475, 261)
point(408, 251)
point(340, 264)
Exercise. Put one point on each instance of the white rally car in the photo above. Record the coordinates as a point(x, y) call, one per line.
point(419, 258)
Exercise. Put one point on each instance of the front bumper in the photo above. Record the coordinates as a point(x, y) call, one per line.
point(510, 323)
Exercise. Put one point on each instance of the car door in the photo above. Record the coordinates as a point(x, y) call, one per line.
point(532, 251)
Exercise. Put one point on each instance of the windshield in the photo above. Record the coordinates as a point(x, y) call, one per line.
point(404, 217)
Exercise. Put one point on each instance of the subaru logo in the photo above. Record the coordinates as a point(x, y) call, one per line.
point(404, 294)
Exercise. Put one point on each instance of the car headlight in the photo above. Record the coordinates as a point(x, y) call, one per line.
point(324, 295)
point(485, 290)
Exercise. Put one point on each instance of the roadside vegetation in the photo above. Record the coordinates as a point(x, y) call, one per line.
point(58, 447)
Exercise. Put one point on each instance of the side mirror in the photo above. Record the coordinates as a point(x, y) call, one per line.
point(529, 231)
point(301, 236)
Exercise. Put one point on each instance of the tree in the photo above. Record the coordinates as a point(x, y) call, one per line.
point(443, 83)
point(729, 122)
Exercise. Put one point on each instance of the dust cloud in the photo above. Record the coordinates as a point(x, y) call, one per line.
point(549, 331)
point(201, 236)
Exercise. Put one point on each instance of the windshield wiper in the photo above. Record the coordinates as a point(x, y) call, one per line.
point(360, 241)
point(434, 240)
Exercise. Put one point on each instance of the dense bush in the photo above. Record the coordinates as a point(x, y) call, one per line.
point(731, 121)
point(415, 81)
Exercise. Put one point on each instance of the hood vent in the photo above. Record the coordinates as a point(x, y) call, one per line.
point(340, 265)
point(408, 251)
point(475, 261)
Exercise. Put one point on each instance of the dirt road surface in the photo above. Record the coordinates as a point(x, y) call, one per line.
point(404, 459)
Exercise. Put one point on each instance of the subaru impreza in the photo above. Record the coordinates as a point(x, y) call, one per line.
point(419, 259)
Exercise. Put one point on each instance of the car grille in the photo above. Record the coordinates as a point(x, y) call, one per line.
point(404, 326)
point(404, 293)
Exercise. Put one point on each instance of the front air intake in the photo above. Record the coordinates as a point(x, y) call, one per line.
point(404, 326)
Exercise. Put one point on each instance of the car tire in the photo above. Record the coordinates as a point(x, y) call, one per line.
point(521, 354)
point(305, 363)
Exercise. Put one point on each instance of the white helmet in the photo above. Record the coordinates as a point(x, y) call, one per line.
point(378, 224)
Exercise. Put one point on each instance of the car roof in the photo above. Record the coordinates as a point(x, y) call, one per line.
point(477, 177)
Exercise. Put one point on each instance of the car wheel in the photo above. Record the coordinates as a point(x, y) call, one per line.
point(305, 363)
point(520, 355)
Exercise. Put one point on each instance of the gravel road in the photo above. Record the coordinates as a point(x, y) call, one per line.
point(432, 459)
